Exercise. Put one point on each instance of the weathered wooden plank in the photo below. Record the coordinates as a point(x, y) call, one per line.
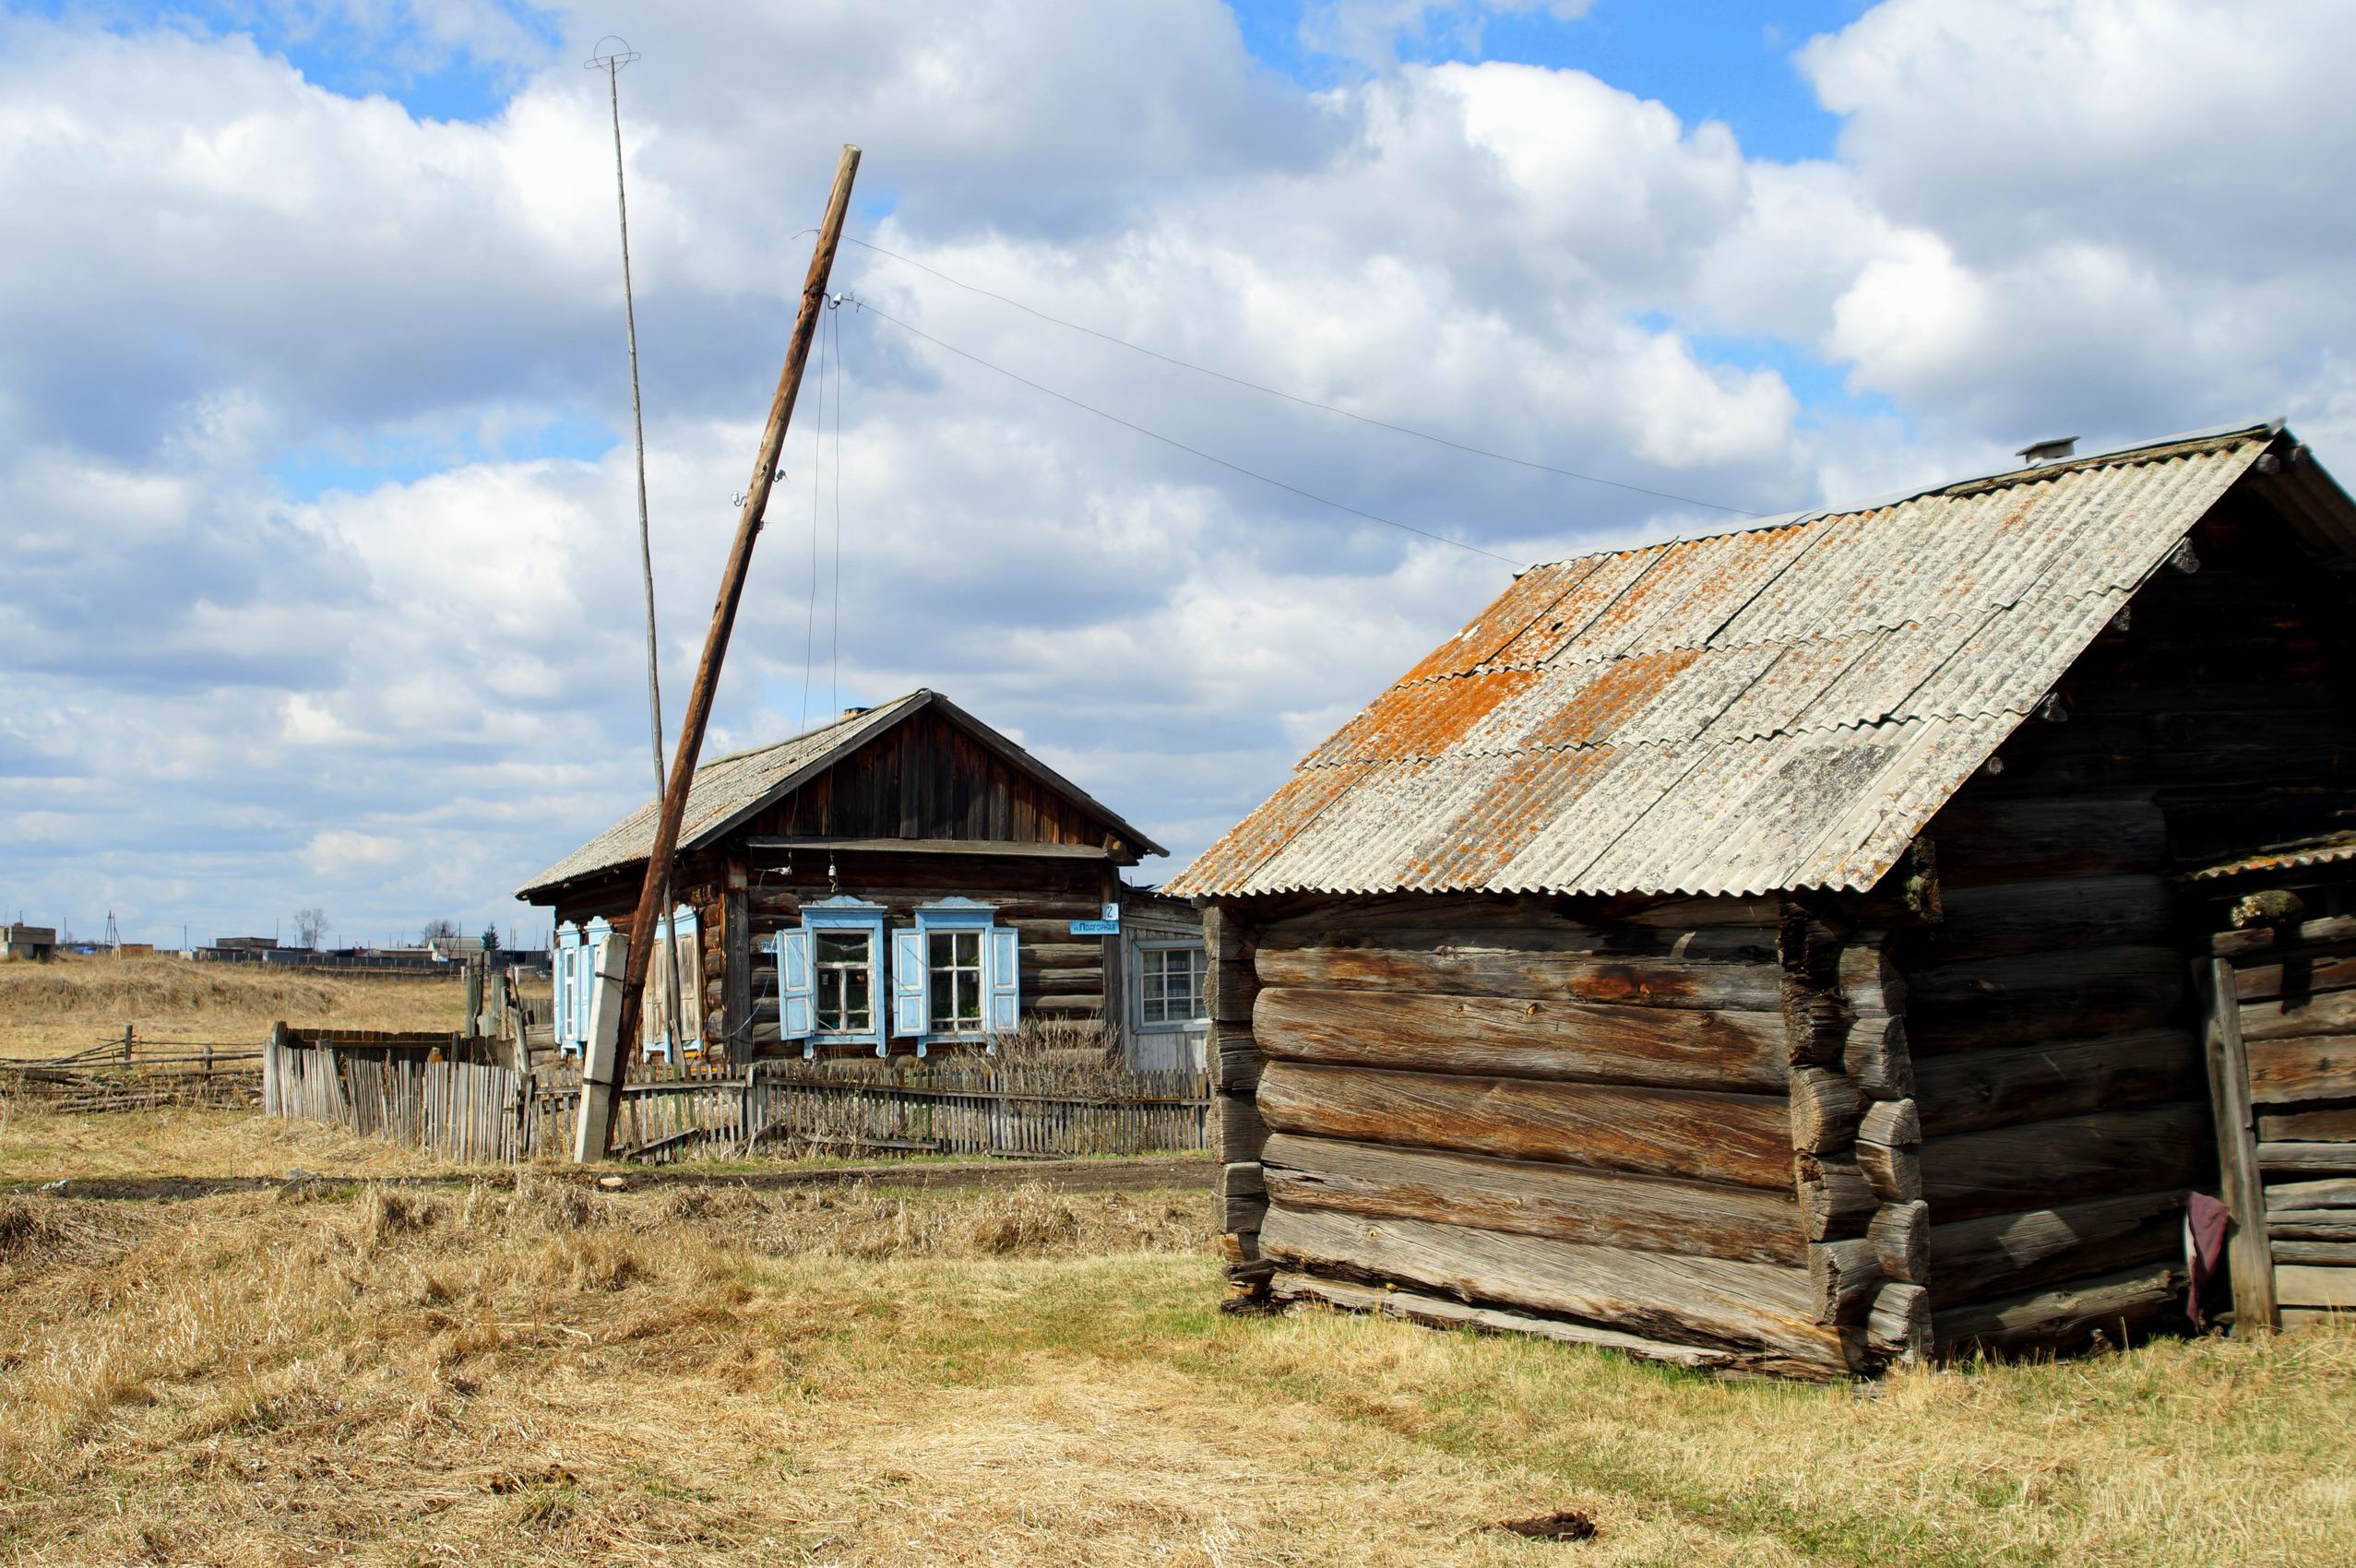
point(2336, 1124)
point(1744, 1139)
point(1901, 1234)
point(1825, 1108)
point(1893, 1171)
point(1874, 1053)
point(1453, 964)
point(1835, 1197)
point(1435, 1312)
point(2295, 977)
point(2331, 1192)
point(2332, 930)
point(2314, 1285)
point(2002, 920)
point(2000, 1254)
point(1520, 1037)
point(1241, 1130)
point(2291, 1249)
point(1842, 1277)
point(2066, 993)
point(1985, 841)
point(2291, 1017)
point(1970, 1091)
point(1234, 1059)
point(2311, 1225)
point(1757, 1307)
point(2319, 1158)
point(1891, 1122)
point(2285, 1071)
point(1898, 1326)
point(2038, 1164)
point(2062, 1316)
point(1531, 1198)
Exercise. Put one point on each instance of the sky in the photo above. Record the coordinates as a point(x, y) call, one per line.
point(320, 582)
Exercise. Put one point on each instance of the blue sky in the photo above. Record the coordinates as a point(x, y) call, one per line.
point(321, 584)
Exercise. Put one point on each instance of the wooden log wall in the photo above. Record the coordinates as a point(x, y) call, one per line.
point(2059, 1088)
point(743, 898)
point(2285, 1022)
point(1570, 1116)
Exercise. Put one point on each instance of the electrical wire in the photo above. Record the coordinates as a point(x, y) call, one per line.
point(1296, 397)
point(872, 309)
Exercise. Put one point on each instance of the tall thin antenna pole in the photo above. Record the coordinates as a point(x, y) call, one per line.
point(613, 60)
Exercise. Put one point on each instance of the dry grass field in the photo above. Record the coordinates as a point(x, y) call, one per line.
point(78, 1001)
point(537, 1371)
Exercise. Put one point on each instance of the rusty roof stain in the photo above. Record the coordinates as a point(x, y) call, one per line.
point(1780, 707)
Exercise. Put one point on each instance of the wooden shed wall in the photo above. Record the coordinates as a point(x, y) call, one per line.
point(1541, 1114)
point(2062, 1097)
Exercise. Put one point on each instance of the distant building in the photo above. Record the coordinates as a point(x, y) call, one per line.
point(37, 943)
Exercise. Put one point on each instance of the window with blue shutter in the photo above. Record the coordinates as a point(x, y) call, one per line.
point(972, 976)
point(797, 994)
point(845, 965)
point(908, 984)
point(592, 960)
point(568, 943)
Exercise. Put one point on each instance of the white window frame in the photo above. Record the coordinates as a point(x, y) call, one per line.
point(564, 988)
point(1000, 975)
point(1201, 962)
point(835, 916)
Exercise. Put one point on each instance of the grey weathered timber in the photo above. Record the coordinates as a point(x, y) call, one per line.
point(2066, 993)
point(1011, 849)
point(2003, 920)
point(2339, 1252)
point(2335, 1125)
point(1842, 1277)
point(2295, 977)
point(1835, 1197)
point(2002, 1254)
point(1532, 966)
point(2329, 1193)
point(1874, 1053)
point(1744, 1139)
point(2295, 1018)
point(1899, 1324)
point(1891, 1122)
point(2283, 1071)
point(1893, 1171)
point(2314, 1285)
point(2280, 943)
point(2065, 1315)
point(1972, 1092)
point(1901, 1234)
point(2043, 1164)
point(1522, 1037)
point(1435, 1312)
point(1532, 1199)
point(1825, 1108)
point(1751, 1307)
point(2316, 1156)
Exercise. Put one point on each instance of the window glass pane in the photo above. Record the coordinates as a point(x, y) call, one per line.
point(844, 978)
point(953, 962)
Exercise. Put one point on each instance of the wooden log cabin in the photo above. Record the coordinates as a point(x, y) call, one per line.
point(903, 880)
point(1774, 951)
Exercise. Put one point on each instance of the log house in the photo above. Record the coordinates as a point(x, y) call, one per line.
point(903, 880)
point(1772, 951)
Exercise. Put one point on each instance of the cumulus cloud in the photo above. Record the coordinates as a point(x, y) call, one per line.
point(321, 586)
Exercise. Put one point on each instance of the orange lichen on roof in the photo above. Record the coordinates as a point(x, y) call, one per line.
point(1531, 594)
point(1423, 720)
point(1568, 616)
point(1284, 814)
point(1522, 802)
point(1620, 690)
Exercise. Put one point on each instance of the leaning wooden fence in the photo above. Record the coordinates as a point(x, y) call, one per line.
point(466, 1099)
point(2281, 1040)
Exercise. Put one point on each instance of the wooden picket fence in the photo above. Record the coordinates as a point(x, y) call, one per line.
point(466, 1099)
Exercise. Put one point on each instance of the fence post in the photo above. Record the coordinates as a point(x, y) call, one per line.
point(126, 1048)
point(602, 1055)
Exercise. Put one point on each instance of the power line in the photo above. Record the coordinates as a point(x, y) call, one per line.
point(1191, 451)
point(1295, 398)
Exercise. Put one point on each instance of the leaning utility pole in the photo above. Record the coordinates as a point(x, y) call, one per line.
point(598, 1090)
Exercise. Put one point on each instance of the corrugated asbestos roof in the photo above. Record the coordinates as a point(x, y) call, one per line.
point(1782, 707)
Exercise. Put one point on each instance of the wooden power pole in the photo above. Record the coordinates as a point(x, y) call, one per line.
point(599, 1093)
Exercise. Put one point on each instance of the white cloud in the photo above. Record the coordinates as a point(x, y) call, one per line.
point(400, 695)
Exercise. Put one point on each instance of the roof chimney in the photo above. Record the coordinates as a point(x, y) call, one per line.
point(2051, 451)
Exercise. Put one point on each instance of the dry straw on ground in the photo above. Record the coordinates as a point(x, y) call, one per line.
point(78, 1001)
point(542, 1373)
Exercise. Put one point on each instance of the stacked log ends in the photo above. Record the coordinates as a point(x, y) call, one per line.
point(1232, 988)
point(1855, 1133)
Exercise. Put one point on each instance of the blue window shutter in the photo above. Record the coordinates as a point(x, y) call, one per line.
point(796, 987)
point(908, 988)
point(1005, 982)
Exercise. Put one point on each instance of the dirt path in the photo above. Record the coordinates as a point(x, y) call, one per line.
point(1061, 1175)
